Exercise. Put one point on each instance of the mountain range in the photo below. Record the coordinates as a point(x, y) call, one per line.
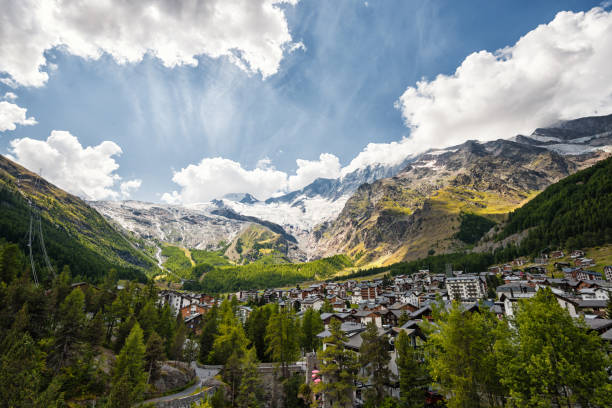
point(382, 214)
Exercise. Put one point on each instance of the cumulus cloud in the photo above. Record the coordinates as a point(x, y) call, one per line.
point(560, 70)
point(216, 177)
point(88, 172)
point(12, 115)
point(252, 33)
point(328, 166)
point(128, 187)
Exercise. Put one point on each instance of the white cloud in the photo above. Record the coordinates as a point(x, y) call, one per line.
point(560, 70)
point(12, 115)
point(9, 96)
point(128, 187)
point(252, 33)
point(215, 177)
point(328, 166)
point(380, 153)
point(88, 172)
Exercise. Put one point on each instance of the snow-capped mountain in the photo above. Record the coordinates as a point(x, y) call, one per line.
point(303, 214)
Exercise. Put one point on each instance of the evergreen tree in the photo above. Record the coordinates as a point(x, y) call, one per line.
point(129, 377)
point(256, 326)
point(123, 331)
point(95, 330)
point(551, 357)
point(166, 325)
point(70, 329)
point(462, 359)
point(282, 339)
point(339, 369)
point(413, 377)
point(153, 354)
point(178, 342)
point(250, 394)
point(231, 338)
point(209, 332)
point(375, 357)
point(147, 319)
point(22, 368)
point(609, 308)
point(311, 326)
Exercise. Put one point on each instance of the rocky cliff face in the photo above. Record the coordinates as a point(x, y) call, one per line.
point(416, 212)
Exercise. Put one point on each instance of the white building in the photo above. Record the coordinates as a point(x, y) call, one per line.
point(465, 288)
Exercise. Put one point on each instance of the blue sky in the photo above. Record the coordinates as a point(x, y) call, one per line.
point(334, 95)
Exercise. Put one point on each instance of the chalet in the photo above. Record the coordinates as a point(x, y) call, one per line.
point(584, 262)
point(495, 269)
point(557, 254)
point(592, 307)
point(594, 293)
point(560, 265)
point(366, 316)
point(193, 309)
point(194, 323)
point(510, 289)
point(577, 254)
point(312, 302)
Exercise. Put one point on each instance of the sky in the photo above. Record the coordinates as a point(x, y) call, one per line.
point(182, 102)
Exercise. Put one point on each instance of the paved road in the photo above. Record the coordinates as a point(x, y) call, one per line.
point(202, 374)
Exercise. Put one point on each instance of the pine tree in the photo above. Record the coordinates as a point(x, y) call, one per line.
point(462, 359)
point(282, 339)
point(231, 338)
point(70, 329)
point(209, 332)
point(339, 369)
point(255, 328)
point(250, 394)
point(153, 354)
point(21, 373)
point(311, 326)
point(413, 377)
point(375, 357)
point(551, 357)
point(609, 308)
point(95, 330)
point(129, 377)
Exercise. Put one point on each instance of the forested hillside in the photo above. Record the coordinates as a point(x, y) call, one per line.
point(74, 234)
point(258, 276)
point(575, 212)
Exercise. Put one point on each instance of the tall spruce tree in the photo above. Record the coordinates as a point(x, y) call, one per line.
point(339, 369)
point(375, 357)
point(129, 377)
point(311, 326)
point(209, 332)
point(70, 330)
point(413, 376)
point(250, 394)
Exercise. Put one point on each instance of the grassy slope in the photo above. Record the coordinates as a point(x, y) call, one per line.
point(257, 243)
point(75, 234)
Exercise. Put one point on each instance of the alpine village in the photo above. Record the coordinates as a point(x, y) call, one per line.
point(459, 268)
